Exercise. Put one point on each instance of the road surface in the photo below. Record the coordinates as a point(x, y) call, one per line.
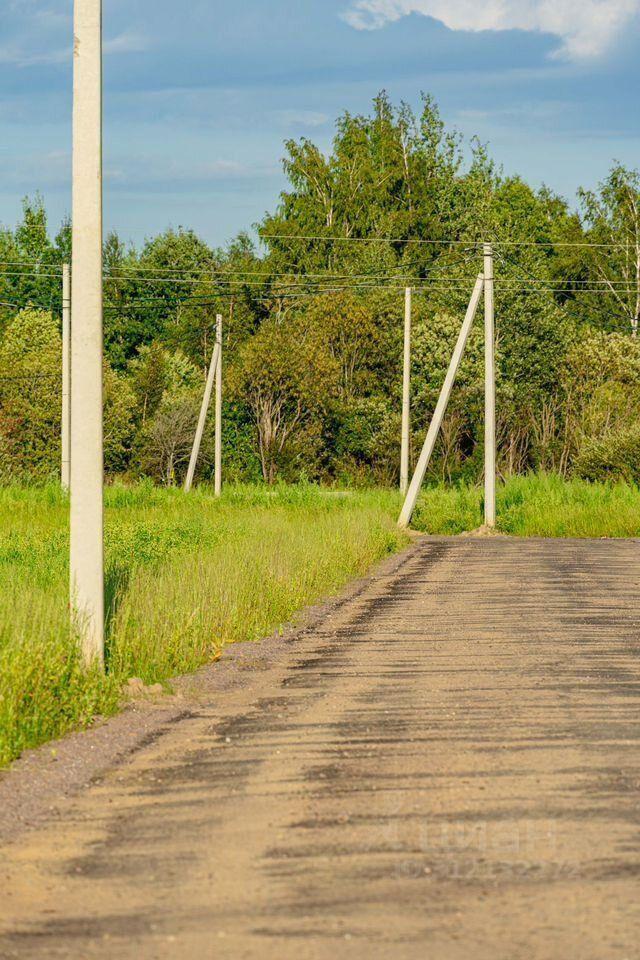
point(446, 766)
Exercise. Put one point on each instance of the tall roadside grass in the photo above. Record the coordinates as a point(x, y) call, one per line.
point(184, 576)
point(538, 505)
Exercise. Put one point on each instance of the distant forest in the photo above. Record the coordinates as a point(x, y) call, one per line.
point(313, 320)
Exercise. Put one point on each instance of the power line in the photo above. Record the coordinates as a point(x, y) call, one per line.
point(268, 276)
point(22, 273)
point(235, 287)
point(577, 286)
point(309, 280)
point(310, 294)
point(464, 243)
point(399, 281)
point(239, 278)
point(29, 263)
point(471, 244)
point(180, 274)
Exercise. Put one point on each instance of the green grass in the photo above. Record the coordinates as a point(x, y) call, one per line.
point(185, 575)
point(539, 505)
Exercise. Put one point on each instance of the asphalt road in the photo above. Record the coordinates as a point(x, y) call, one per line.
point(445, 766)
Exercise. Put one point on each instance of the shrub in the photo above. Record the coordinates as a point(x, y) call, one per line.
point(614, 456)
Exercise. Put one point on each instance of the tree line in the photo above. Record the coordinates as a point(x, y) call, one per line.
point(313, 312)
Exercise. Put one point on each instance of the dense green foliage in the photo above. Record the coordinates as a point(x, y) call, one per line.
point(313, 327)
point(185, 575)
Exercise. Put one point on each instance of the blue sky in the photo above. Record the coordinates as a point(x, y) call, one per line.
point(199, 96)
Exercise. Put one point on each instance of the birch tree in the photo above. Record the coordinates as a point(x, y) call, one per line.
point(612, 217)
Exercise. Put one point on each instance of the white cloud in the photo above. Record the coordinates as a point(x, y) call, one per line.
point(19, 56)
point(125, 43)
point(152, 171)
point(585, 27)
point(301, 118)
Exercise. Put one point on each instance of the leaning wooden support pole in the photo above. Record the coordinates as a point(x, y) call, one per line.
point(489, 393)
point(406, 396)
point(206, 400)
point(218, 411)
point(434, 428)
point(86, 548)
point(65, 422)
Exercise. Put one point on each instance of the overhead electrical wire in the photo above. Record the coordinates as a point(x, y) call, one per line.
point(464, 243)
point(22, 273)
point(471, 244)
point(302, 295)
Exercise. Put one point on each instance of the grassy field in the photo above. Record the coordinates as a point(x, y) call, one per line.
point(541, 505)
point(185, 575)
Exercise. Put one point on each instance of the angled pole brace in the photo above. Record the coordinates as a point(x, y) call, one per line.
point(434, 428)
point(206, 400)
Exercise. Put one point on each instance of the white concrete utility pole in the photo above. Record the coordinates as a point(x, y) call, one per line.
point(406, 395)
point(218, 411)
point(489, 392)
point(86, 559)
point(434, 427)
point(202, 419)
point(65, 426)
